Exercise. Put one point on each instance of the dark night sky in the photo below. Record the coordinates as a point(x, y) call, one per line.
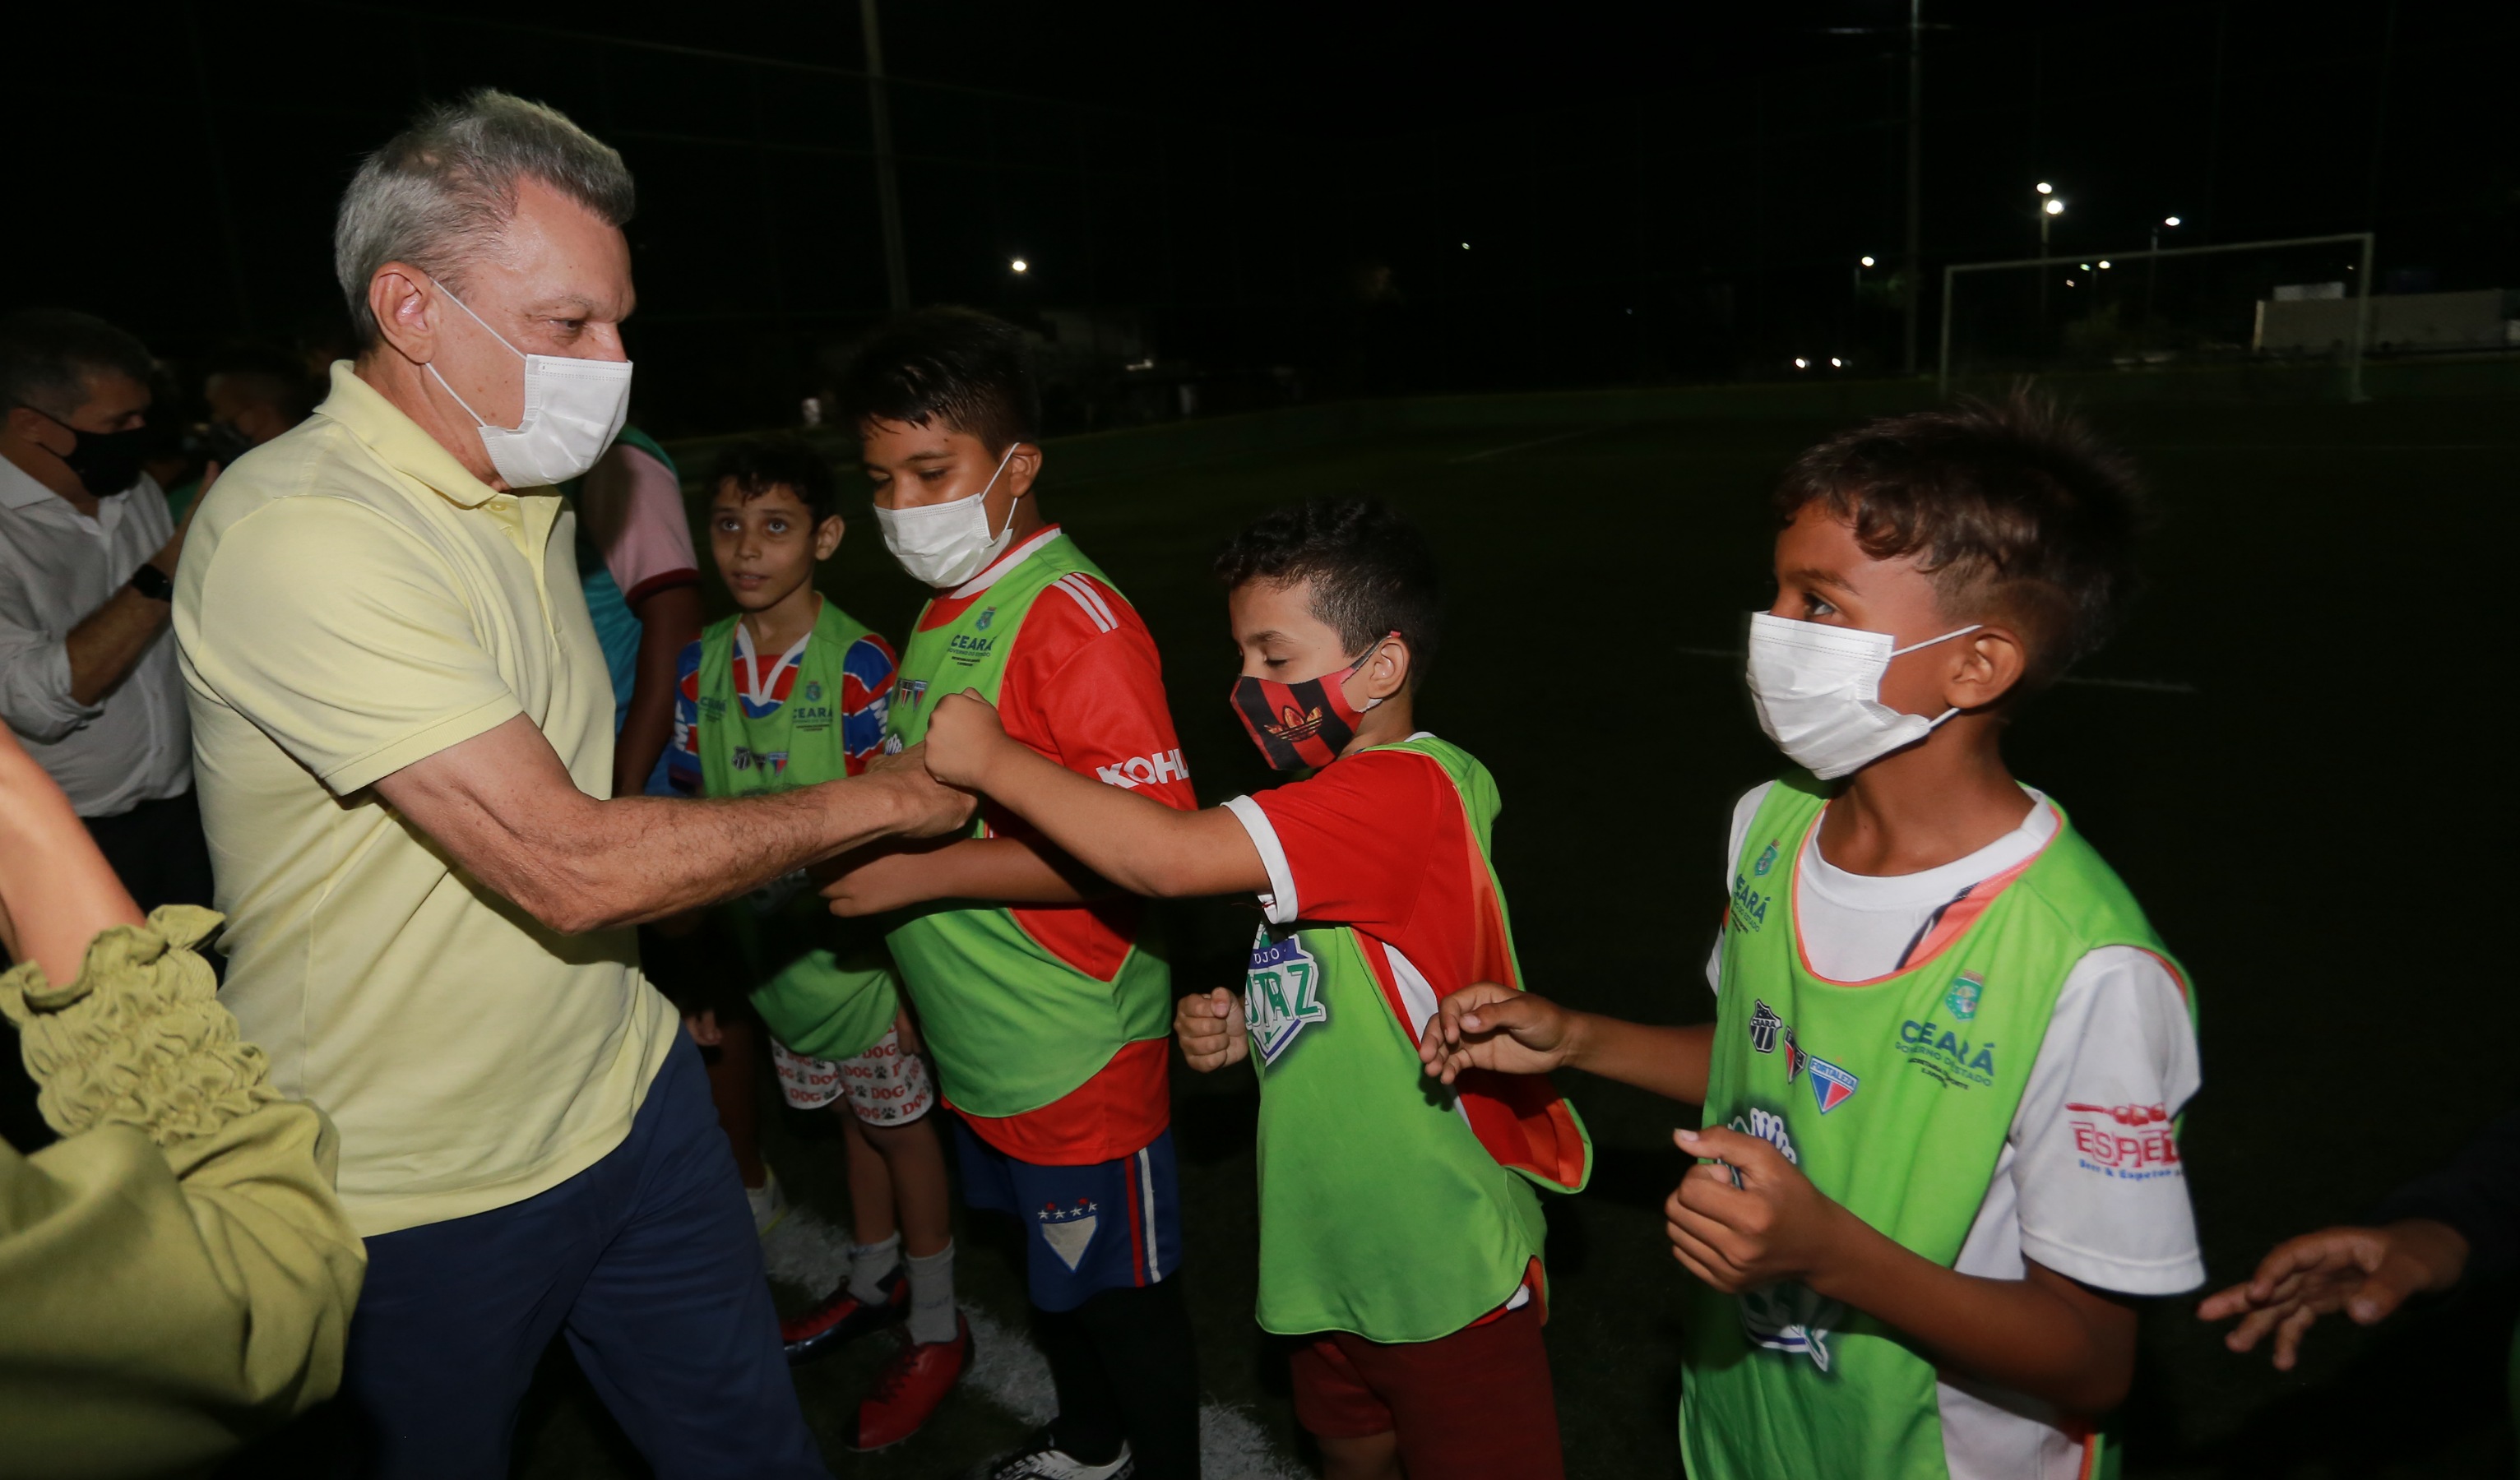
point(1666, 191)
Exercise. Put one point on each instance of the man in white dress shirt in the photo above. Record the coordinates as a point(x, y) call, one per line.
point(87, 564)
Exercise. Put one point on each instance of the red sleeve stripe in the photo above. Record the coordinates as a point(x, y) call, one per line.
point(663, 580)
point(1082, 592)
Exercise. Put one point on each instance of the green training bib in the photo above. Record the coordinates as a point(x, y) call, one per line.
point(1011, 1026)
point(827, 988)
point(1389, 1206)
point(1894, 1096)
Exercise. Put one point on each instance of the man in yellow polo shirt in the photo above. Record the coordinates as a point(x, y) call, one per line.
point(403, 733)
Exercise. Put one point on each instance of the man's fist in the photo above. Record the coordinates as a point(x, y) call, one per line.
point(961, 736)
point(1488, 1026)
point(934, 808)
point(1211, 1030)
point(2365, 1273)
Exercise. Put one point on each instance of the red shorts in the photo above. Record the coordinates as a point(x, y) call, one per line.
point(1476, 1402)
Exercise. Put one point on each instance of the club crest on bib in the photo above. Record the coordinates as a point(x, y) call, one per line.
point(1831, 1086)
point(1768, 859)
point(1967, 990)
point(1281, 994)
point(1764, 1026)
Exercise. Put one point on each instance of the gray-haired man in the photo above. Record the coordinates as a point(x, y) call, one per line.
point(403, 728)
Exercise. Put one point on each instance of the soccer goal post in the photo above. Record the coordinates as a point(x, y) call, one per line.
point(2292, 300)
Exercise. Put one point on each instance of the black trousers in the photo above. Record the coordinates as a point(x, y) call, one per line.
point(158, 850)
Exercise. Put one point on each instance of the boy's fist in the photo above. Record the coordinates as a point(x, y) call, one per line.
point(2365, 1273)
point(1488, 1026)
point(961, 734)
point(1211, 1030)
point(1749, 1218)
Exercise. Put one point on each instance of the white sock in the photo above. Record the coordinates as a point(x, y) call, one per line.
point(869, 1263)
point(932, 1296)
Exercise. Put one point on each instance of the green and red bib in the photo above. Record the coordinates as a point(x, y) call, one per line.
point(1390, 1206)
point(1011, 1024)
point(1894, 1097)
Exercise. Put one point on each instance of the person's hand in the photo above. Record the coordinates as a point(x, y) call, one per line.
point(1489, 1026)
point(1211, 1030)
point(2365, 1273)
point(873, 880)
point(703, 1028)
point(1750, 1218)
point(963, 737)
point(934, 808)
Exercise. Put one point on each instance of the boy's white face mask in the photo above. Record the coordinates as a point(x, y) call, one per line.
point(1817, 690)
point(573, 410)
point(947, 544)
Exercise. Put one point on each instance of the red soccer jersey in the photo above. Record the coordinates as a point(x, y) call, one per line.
point(1084, 687)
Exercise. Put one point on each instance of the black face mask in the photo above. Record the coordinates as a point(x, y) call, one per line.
point(107, 462)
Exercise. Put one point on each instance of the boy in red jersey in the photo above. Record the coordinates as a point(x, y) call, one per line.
point(1399, 1231)
point(1045, 1011)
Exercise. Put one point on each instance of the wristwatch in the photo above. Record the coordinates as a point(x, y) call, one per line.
point(152, 582)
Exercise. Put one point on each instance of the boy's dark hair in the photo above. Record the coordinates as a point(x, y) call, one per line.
point(957, 366)
point(2014, 507)
point(1373, 573)
point(47, 354)
point(269, 373)
point(757, 464)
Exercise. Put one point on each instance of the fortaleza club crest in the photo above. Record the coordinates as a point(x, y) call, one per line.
point(1069, 1230)
point(1831, 1086)
point(1962, 998)
point(1281, 994)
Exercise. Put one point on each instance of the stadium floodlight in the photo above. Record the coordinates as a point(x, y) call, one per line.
point(1801, 364)
point(1868, 261)
point(2047, 188)
point(2054, 206)
point(1019, 265)
point(1835, 363)
point(2104, 266)
point(2170, 220)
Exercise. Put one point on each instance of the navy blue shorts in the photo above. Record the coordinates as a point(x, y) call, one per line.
point(1114, 1225)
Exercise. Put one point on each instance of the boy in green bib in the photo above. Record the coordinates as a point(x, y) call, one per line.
point(1043, 996)
point(789, 692)
point(1940, 1158)
point(1400, 1225)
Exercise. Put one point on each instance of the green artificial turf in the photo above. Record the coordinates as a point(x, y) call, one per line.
point(2300, 784)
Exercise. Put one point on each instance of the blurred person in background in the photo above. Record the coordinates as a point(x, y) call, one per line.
point(642, 591)
point(175, 1270)
point(253, 393)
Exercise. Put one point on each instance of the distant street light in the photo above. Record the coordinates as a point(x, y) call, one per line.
point(2152, 264)
point(2050, 207)
point(1019, 265)
point(1801, 364)
point(1866, 261)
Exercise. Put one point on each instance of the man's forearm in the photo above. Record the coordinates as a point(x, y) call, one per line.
point(2036, 1335)
point(109, 641)
point(1670, 1062)
point(640, 858)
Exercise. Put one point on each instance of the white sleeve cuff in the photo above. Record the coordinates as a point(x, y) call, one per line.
point(1280, 901)
point(35, 693)
point(2124, 1276)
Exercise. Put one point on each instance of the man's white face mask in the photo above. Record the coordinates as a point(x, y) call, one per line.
point(573, 410)
point(1817, 690)
point(947, 544)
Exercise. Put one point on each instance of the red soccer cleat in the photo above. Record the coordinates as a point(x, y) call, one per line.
point(912, 1385)
point(842, 1318)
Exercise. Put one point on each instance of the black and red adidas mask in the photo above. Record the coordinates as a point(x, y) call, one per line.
point(1299, 725)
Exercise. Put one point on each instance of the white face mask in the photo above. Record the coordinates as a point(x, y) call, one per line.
point(573, 410)
point(1817, 690)
point(947, 544)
